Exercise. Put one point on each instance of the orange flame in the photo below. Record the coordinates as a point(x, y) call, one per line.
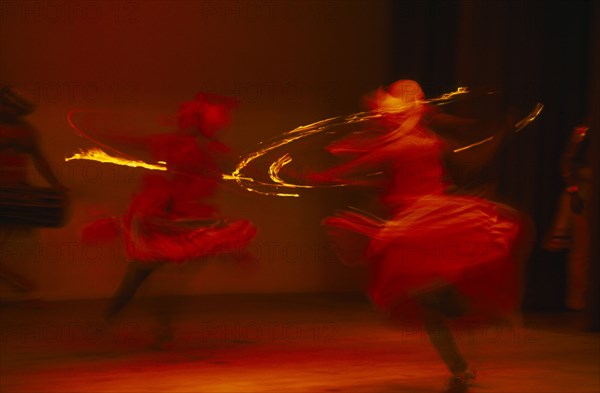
point(278, 184)
point(101, 156)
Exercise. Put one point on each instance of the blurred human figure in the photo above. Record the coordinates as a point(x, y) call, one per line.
point(446, 254)
point(172, 217)
point(570, 229)
point(23, 206)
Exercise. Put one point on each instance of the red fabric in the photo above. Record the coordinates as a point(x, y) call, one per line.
point(180, 241)
point(101, 231)
point(171, 218)
point(207, 113)
point(432, 239)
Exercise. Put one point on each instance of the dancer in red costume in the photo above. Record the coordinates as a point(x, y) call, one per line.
point(444, 253)
point(171, 218)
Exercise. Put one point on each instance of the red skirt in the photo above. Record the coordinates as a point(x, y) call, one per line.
point(176, 241)
point(180, 241)
point(436, 241)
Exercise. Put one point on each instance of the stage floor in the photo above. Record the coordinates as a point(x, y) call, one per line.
point(279, 343)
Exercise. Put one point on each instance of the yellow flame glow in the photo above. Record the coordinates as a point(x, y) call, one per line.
point(311, 129)
point(288, 137)
point(524, 122)
point(101, 156)
point(473, 145)
point(448, 97)
point(277, 166)
point(530, 117)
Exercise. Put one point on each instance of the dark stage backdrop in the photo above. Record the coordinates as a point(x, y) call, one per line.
point(532, 51)
point(290, 63)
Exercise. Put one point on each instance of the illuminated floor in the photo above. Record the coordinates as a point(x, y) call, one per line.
point(288, 343)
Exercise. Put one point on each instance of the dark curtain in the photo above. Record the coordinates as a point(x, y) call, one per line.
point(532, 51)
